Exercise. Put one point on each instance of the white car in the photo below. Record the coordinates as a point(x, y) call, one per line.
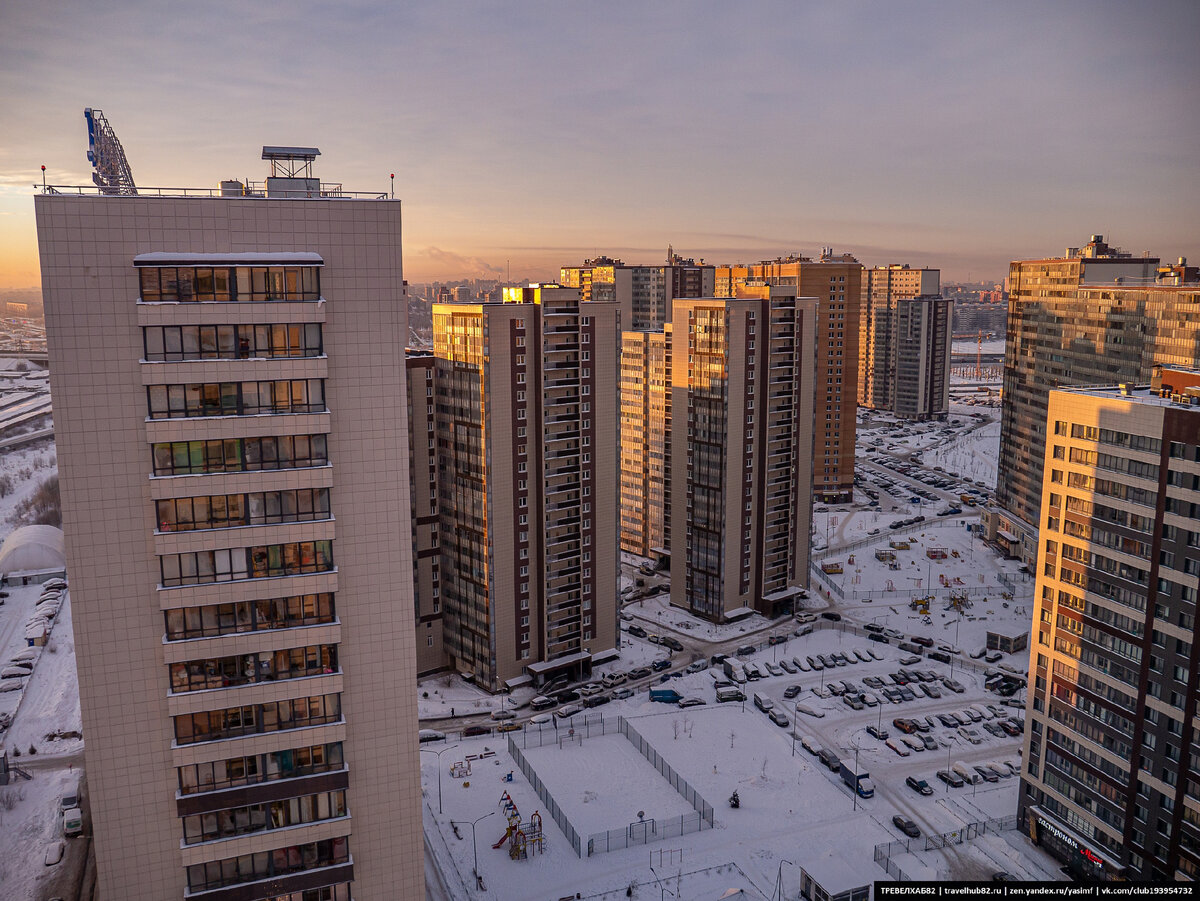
point(430, 735)
point(502, 714)
point(810, 746)
point(590, 689)
point(540, 719)
point(898, 748)
point(567, 711)
point(913, 743)
point(13, 672)
point(801, 665)
point(822, 691)
point(810, 711)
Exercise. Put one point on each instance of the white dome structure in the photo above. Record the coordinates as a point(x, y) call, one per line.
point(33, 549)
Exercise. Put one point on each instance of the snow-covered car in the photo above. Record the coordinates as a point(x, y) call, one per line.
point(773, 669)
point(822, 691)
point(801, 665)
point(541, 719)
point(862, 656)
point(878, 732)
point(810, 746)
point(778, 717)
point(814, 712)
point(692, 702)
point(787, 666)
point(913, 742)
point(568, 710)
point(897, 747)
point(622, 693)
point(929, 741)
point(13, 672)
point(969, 735)
point(10, 685)
point(502, 714)
point(430, 735)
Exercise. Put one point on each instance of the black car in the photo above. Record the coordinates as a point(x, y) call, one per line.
point(746, 650)
point(596, 700)
point(908, 827)
point(659, 665)
point(637, 631)
point(777, 639)
point(566, 696)
point(672, 643)
point(791, 691)
point(920, 786)
point(831, 616)
point(875, 636)
point(472, 731)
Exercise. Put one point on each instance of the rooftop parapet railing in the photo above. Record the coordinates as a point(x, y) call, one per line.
point(329, 191)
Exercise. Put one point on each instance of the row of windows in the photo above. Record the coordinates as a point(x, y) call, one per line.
point(249, 616)
point(267, 864)
point(257, 719)
point(206, 827)
point(188, 284)
point(240, 454)
point(236, 398)
point(231, 342)
point(223, 511)
point(245, 669)
point(232, 564)
point(274, 765)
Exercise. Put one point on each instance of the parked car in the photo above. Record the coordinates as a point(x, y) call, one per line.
point(660, 665)
point(801, 665)
point(540, 719)
point(830, 759)
point(472, 731)
point(929, 741)
point(788, 667)
point(920, 786)
point(697, 666)
point(636, 631)
point(951, 778)
point(810, 746)
point(898, 747)
point(815, 664)
point(993, 657)
point(692, 702)
point(502, 714)
point(590, 689)
point(672, 642)
point(831, 616)
point(778, 717)
point(776, 639)
point(567, 711)
point(810, 711)
point(596, 701)
point(908, 827)
point(430, 735)
point(791, 691)
point(986, 773)
point(639, 672)
point(746, 650)
point(877, 732)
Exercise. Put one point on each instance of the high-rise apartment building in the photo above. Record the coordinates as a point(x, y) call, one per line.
point(741, 493)
point(233, 459)
point(526, 401)
point(1111, 781)
point(904, 343)
point(836, 282)
point(644, 293)
point(645, 440)
point(423, 478)
point(1097, 316)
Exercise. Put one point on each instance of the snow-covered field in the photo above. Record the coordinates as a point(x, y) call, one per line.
point(792, 807)
point(974, 456)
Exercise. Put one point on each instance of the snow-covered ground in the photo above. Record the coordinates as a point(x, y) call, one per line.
point(974, 456)
point(47, 708)
point(792, 807)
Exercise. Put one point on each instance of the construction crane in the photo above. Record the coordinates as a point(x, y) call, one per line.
point(111, 174)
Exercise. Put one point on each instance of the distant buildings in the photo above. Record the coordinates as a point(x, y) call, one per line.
point(423, 469)
point(233, 459)
point(1097, 316)
point(905, 343)
point(836, 282)
point(740, 508)
point(526, 399)
point(1111, 775)
point(645, 440)
point(643, 293)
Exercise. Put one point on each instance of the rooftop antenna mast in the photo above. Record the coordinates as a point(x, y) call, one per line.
point(111, 174)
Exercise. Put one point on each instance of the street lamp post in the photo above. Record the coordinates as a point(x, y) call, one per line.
point(473, 844)
point(439, 769)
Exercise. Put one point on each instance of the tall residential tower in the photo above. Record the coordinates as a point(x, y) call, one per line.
point(233, 453)
point(1097, 316)
point(1111, 780)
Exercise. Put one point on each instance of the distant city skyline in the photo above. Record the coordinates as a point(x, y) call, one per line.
point(535, 134)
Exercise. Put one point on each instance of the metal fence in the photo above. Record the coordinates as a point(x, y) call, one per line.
point(833, 586)
point(885, 852)
point(956, 520)
point(645, 831)
point(544, 793)
point(554, 732)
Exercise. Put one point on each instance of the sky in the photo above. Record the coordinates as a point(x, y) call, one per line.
point(529, 135)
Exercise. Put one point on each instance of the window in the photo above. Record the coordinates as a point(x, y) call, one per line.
point(231, 342)
point(235, 398)
point(249, 616)
point(254, 719)
point(239, 455)
point(201, 567)
point(225, 284)
point(269, 815)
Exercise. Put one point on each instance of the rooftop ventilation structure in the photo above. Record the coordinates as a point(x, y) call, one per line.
point(291, 172)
